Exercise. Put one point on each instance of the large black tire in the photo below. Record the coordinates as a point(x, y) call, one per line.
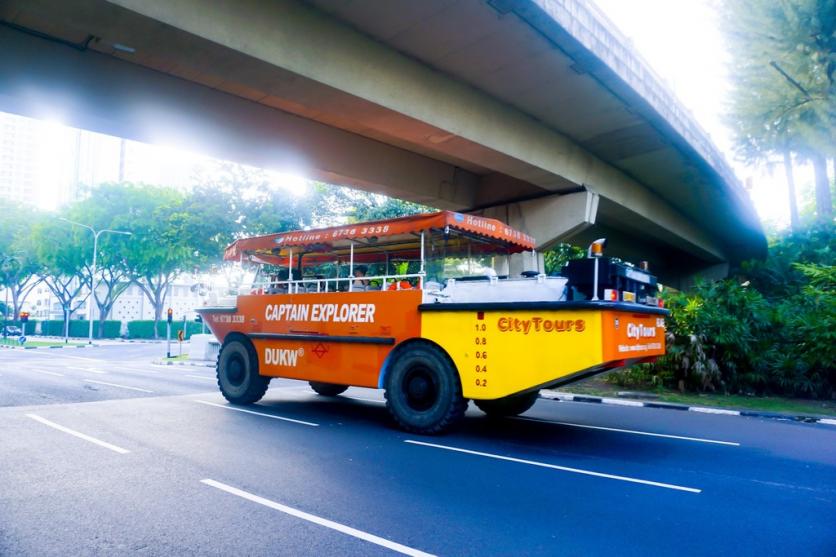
point(327, 389)
point(237, 372)
point(513, 405)
point(423, 390)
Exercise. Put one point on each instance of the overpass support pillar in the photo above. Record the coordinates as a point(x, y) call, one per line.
point(549, 220)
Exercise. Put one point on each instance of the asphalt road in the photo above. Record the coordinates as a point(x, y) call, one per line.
point(102, 453)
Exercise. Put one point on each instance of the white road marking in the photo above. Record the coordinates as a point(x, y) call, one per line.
point(556, 467)
point(90, 369)
point(348, 530)
point(78, 434)
point(367, 399)
point(225, 407)
point(634, 432)
point(200, 377)
point(827, 421)
point(47, 372)
point(62, 355)
point(117, 385)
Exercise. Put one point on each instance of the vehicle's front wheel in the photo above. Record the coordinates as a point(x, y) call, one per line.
point(327, 389)
point(237, 372)
point(513, 405)
point(423, 390)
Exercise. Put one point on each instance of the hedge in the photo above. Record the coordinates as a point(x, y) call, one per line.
point(80, 328)
point(145, 329)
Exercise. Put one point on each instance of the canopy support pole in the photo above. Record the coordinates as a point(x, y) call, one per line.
point(351, 267)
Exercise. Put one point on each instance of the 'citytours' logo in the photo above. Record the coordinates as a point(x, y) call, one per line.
point(283, 357)
point(637, 331)
point(537, 324)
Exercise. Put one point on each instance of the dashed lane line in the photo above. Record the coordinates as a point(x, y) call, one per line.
point(88, 369)
point(348, 530)
point(78, 434)
point(632, 431)
point(226, 407)
point(557, 467)
point(117, 385)
point(47, 372)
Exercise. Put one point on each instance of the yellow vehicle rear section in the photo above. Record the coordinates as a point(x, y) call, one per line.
point(500, 352)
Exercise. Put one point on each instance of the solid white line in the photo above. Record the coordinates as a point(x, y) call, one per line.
point(225, 407)
point(634, 432)
point(556, 467)
point(89, 369)
point(74, 433)
point(120, 386)
point(359, 534)
point(200, 377)
point(48, 372)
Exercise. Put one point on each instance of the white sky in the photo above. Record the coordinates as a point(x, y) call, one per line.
point(680, 39)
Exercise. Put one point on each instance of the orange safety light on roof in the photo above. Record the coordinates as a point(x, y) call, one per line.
point(596, 248)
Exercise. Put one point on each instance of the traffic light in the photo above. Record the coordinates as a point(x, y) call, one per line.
point(170, 314)
point(24, 316)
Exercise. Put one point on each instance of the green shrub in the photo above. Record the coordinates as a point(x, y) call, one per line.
point(145, 329)
point(768, 329)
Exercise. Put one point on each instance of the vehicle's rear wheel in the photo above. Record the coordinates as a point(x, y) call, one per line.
point(423, 390)
point(237, 372)
point(327, 389)
point(508, 406)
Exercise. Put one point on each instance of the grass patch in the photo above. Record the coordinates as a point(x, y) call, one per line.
point(598, 387)
point(761, 403)
point(12, 341)
point(179, 358)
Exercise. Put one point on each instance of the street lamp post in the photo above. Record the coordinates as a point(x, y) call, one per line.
point(92, 296)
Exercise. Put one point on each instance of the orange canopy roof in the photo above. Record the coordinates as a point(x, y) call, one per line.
point(406, 227)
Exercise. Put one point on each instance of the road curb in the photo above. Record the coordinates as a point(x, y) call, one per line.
point(141, 341)
point(570, 397)
point(190, 364)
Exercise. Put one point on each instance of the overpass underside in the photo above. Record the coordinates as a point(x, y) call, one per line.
point(471, 106)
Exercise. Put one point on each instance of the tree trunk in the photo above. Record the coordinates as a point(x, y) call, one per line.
point(824, 203)
point(15, 304)
point(794, 225)
point(66, 323)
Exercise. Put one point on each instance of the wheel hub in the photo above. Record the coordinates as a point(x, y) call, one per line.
point(420, 390)
point(235, 371)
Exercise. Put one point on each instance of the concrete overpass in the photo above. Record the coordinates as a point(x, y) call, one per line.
point(533, 111)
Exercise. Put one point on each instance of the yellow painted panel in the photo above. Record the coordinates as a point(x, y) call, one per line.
point(507, 352)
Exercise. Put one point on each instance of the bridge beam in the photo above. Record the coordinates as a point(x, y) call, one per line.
point(89, 90)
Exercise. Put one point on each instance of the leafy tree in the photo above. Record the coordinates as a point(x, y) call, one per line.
point(371, 206)
point(64, 267)
point(99, 211)
point(161, 246)
point(557, 257)
point(18, 263)
point(784, 87)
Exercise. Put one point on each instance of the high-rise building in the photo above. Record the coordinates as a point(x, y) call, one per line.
point(18, 158)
